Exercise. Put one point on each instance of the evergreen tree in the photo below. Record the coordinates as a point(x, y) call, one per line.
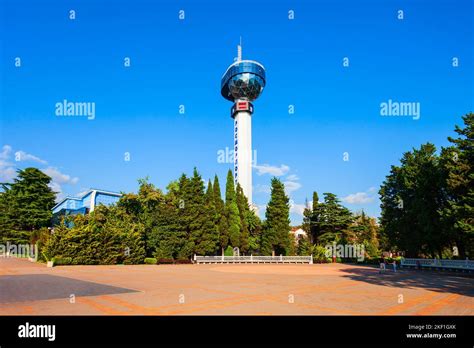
point(198, 236)
point(255, 230)
point(307, 220)
point(232, 212)
point(316, 217)
point(221, 216)
point(244, 211)
point(186, 224)
point(106, 236)
point(304, 247)
point(275, 237)
point(458, 169)
point(206, 238)
point(411, 198)
point(25, 205)
point(365, 231)
point(333, 221)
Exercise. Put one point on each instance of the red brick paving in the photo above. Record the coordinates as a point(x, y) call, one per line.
point(326, 289)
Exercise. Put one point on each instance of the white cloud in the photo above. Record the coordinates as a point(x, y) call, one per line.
point(297, 208)
point(292, 183)
point(58, 189)
point(272, 170)
point(59, 177)
point(23, 156)
point(6, 150)
point(292, 177)
point(7, 170)
point(291, 186)
point(359, 197)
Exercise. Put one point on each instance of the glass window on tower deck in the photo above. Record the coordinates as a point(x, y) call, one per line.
point(244, 79)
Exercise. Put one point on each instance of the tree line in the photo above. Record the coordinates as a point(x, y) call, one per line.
point(189, 218)
point(426, 210)
point(428, 200)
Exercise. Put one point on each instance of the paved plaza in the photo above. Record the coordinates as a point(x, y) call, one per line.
point(28, 288)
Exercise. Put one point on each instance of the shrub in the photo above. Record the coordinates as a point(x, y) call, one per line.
point(107, 236)
point(62, 261)
point(183, 261)
point(165, 261)
point(319, 254)
point(229, 251)
point(151, 261)
point(391, 259)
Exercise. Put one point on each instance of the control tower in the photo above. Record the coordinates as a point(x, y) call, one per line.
point(242, 83)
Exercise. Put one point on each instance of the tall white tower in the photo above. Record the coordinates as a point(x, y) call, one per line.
point(242, 83)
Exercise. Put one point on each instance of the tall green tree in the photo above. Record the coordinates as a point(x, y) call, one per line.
point(307, 220)
point(25, 205)
point(275, 237)
point(458, 167)
point(232, 212)
point(365, 231)
point(255, 230)
point(411, 197)
point(144, 208)
point(334, 221)
point(206, 237)
point(244, 211)
point(304, 247)
point(221, 215)
point(315, 217)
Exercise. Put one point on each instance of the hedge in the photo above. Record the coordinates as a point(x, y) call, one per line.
point(151, 261)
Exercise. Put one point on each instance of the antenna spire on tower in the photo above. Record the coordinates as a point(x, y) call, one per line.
point(239, 50)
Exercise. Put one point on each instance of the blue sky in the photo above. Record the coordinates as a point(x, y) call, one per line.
point(180, 62)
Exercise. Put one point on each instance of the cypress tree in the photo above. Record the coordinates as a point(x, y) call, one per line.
point(232, 212)
point(197, 210)
point(244, 211)
point(276, 231)
point(306, 225)
point(255, 230)
point(315, 217)
point(186, 223)
point(218, 202)
point(205, 238)
point(221, 216)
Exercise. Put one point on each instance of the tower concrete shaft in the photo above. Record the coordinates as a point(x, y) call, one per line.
point(242, 114)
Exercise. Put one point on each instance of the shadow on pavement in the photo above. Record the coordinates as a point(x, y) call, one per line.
point(413, 279)
point(34, 287)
